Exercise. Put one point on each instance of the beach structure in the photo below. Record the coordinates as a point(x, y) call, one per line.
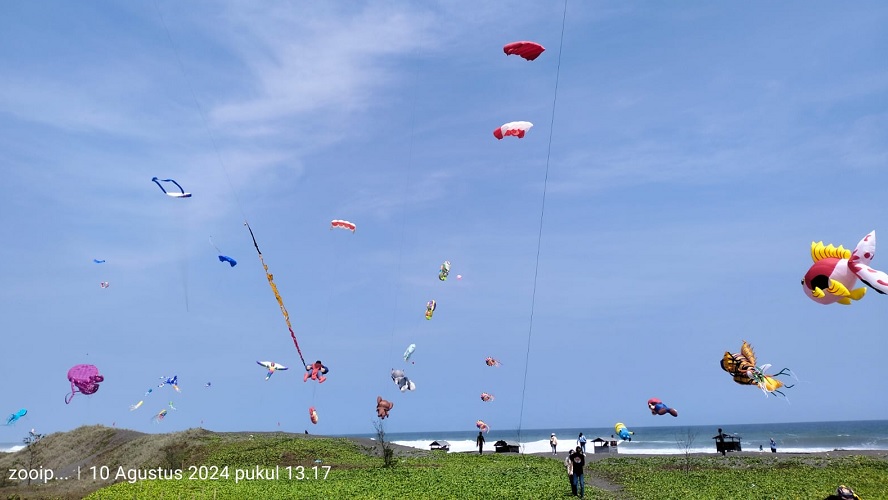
point(503, 446)
point(726, 442)
point(440, 444)
point(600, 445)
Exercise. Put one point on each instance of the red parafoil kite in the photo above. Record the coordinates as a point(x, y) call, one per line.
point(517, 129)
point(344, 224)
point(527, 50)
point(84, 379)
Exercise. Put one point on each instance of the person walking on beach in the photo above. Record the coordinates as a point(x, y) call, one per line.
point(568, 463)
point(480, 442)
point(581, 441)
point(773, 446)
point(579, 460)
point(553, 442)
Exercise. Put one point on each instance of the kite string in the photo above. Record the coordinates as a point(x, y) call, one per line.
point(404, 191)
point(536, 268)
point(219, 157)
point(214, 245)
point(200, 110)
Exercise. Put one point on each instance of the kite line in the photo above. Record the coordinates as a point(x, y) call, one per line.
point(219, 157)
point(536, 269)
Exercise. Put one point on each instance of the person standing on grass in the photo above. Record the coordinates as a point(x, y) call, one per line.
point(773, 446)
point(579, 460)
point(553, 442)
point(568, 463)
point(480, 442)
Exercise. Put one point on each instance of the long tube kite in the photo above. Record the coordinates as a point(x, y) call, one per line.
point(180, 194)
point(277, 294)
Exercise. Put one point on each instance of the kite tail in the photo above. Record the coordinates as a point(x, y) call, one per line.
point(277, 294)
point(69, 397)
point(154, 180)
point(177, 185)
point(786, 371)
point(295, 343)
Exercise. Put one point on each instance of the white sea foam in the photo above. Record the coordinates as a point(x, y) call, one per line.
point(542, 446)
point(10, 448)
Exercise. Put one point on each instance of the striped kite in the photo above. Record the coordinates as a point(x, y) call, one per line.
point(344, 224)
point(277, 294)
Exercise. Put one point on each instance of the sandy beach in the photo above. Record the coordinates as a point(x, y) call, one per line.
point(594, 457)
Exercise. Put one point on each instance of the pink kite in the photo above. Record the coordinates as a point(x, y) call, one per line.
point(527, 50)
point(344, 224)
point(84, 379)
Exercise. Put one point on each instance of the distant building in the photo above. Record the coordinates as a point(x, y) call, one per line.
point(726, 442)
point(503, 446)
point(440, 445)
point(600, 445)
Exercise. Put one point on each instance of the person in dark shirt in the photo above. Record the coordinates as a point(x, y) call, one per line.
point(480, 442)
point(579, 460)
point(720, 439)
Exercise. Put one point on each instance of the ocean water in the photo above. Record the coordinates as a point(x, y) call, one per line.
point(10, 447)
point(790, 437)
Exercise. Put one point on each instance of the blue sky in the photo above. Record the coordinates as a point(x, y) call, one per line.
point(697, 150)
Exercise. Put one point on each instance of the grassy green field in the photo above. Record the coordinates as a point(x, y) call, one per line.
point(224, 465)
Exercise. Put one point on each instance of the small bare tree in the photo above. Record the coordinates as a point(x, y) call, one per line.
point(30, 443)
point(685, 441)
point(385, 447)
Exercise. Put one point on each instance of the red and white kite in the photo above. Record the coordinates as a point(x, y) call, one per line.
point(517, 129)
point(344, 224)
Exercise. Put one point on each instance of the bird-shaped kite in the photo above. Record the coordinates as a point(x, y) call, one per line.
point(272, 367)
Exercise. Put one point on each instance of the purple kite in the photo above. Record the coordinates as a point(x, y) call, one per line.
point(84, 379)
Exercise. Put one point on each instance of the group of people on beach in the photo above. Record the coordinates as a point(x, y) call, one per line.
point(553, 442)
point(574, 463)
